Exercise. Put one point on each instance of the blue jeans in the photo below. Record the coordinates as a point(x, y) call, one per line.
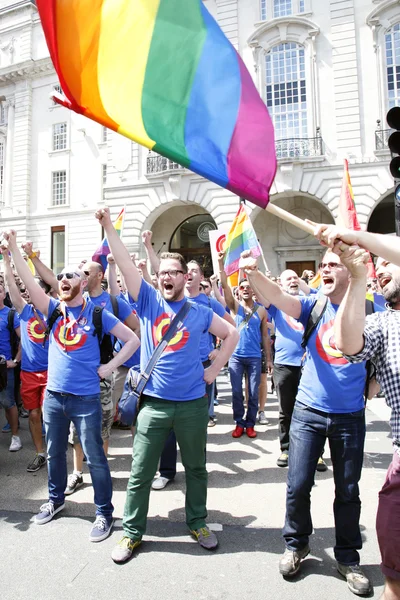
point(346, 433)
point(85, 413)
point(7, 399)
point(237, 368)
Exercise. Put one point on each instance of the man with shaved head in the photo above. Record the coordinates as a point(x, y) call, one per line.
point(73, 388)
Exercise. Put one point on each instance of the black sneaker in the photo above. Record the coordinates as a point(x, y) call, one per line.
point(74, 482)
point(47, 512)
point(37, 463)
point(321, 465)
point(24, 414)
point(283, 460)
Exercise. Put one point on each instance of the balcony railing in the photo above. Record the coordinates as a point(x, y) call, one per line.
point(381, 139)
point(298, 148)
point(159, 164)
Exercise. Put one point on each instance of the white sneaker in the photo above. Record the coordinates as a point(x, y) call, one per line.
point(159, 483)
point(15, 444)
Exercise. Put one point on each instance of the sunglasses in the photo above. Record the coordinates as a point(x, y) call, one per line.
point(244, 287)
point(331, 265)
point(60, 276)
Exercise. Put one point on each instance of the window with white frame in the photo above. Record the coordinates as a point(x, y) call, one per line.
point(59, 136)
point(104, 135)
point(104, 174)
point(392, 45)
point(286, 95)
point(2, 155)
point(58, 188)
point(280, 8)
point(57, 88)
point(3, 114)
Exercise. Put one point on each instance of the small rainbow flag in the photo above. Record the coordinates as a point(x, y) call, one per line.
point(100, 256)
point(162, 73)
point(241, 237)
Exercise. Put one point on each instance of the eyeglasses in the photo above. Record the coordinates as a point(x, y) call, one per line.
point(244, 287)
point(60, 276)
point(331, 265)
point(171, 272)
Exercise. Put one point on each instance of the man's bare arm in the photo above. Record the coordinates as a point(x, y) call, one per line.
point(150, 252)
point(41, 269)
point(17, 300)
point(230, 300)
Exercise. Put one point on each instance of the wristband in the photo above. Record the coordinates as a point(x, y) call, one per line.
point(33, 255)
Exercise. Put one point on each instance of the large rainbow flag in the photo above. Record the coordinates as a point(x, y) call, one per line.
point(100, 256)
point(241, 237)
point(162, 73)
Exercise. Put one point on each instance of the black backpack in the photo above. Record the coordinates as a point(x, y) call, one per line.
point(14, 339)
point(316, 314)
point(105, 342)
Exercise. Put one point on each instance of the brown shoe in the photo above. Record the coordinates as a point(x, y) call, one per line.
point(238, 432)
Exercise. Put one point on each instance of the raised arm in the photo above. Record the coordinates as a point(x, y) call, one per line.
point(217, 294)
point(133, 280)
point(151, 255)
point(350, 318)
point(113, 287)
point(41, 269)
point(142, 265)
point(38, 297)
point(268, 291)
point(230, 300)
point(15, 295)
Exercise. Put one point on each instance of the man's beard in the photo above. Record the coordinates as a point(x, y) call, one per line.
point(177, 293)
point(392, 295)
point(69, 295)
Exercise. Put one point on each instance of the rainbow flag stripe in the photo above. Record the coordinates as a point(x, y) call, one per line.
point(162, 73)
point(100, 256)
point(241, 237)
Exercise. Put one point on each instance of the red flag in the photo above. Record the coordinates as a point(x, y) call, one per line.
point(347, 216)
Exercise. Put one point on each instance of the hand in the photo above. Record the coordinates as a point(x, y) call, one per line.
point(214, 278)
point(142, 264)
point(210, 374)
point(328, 235)
point(110, 259)
point(146, 238)
point(213, 354)
point(11, 365)
point(27, 247)
point(248, 263)
point(103, 217)
point(133, 257)
point(11, 238)
point(221, 259)
point(5, 252)
point(355, 260)
point(270, 367)
point(104, 371)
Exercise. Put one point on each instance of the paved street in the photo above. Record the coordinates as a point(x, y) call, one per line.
point(246, 507)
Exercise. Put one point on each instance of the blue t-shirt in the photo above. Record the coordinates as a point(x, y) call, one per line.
point(207, 340)
point(249, 344)
point(74, 352)
point(134, 360)
point(329, 382)
point(178, 375)
point(104, 300)
point(288, 337)
point(5, 342)
point(34, 353)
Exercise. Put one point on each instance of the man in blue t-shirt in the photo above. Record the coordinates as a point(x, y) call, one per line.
point(73, 387)
point(329, 405)
point(174, 397)
point(207, 353)
point(287, 362)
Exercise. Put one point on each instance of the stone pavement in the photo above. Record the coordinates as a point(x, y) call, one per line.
point(246, 508)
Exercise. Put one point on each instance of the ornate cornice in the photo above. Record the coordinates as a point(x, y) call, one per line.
point(29, 69)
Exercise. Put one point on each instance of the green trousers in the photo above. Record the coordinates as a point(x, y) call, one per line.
point(156, 419)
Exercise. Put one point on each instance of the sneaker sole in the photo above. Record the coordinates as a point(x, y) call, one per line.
point(50, 517)
point(322, 468)
point(158, 489)
point(354, 590)
point(15, 449)
point(69, 492)
point(104, 536)
point(35, 470)
point(293, 573)
point(120, 561)
point(282, 464)
point(200, 544)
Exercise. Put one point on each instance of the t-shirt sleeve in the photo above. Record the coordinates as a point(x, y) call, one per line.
point(208, 316)
point(217, 307)
point(26, 313)
point(272, 310)
point(373, 339)
point(108, 321)
point(124, 310)
point(53, 304)
point(307, 302)
point(147, 293)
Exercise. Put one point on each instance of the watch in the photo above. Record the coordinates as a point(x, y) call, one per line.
point(15, 361)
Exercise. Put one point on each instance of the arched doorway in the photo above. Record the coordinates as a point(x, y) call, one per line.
point(191, 240)
point(382, 218)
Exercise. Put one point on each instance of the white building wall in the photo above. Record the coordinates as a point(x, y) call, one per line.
point(344, 45)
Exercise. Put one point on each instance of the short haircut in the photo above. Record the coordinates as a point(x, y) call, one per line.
point(244, 280)
point(194, 262)
point(45, 286)
point(175, 256)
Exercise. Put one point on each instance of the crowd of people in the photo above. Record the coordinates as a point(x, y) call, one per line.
point(67, 345)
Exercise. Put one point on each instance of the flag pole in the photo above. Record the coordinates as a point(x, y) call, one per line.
point(292, 219)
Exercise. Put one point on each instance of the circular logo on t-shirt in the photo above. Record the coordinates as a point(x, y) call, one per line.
point(293, 323)
point(160, 327)
point(35, 330)
point(69, 335)
point(326, 346)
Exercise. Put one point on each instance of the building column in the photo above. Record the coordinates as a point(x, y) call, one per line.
point(8, 169)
